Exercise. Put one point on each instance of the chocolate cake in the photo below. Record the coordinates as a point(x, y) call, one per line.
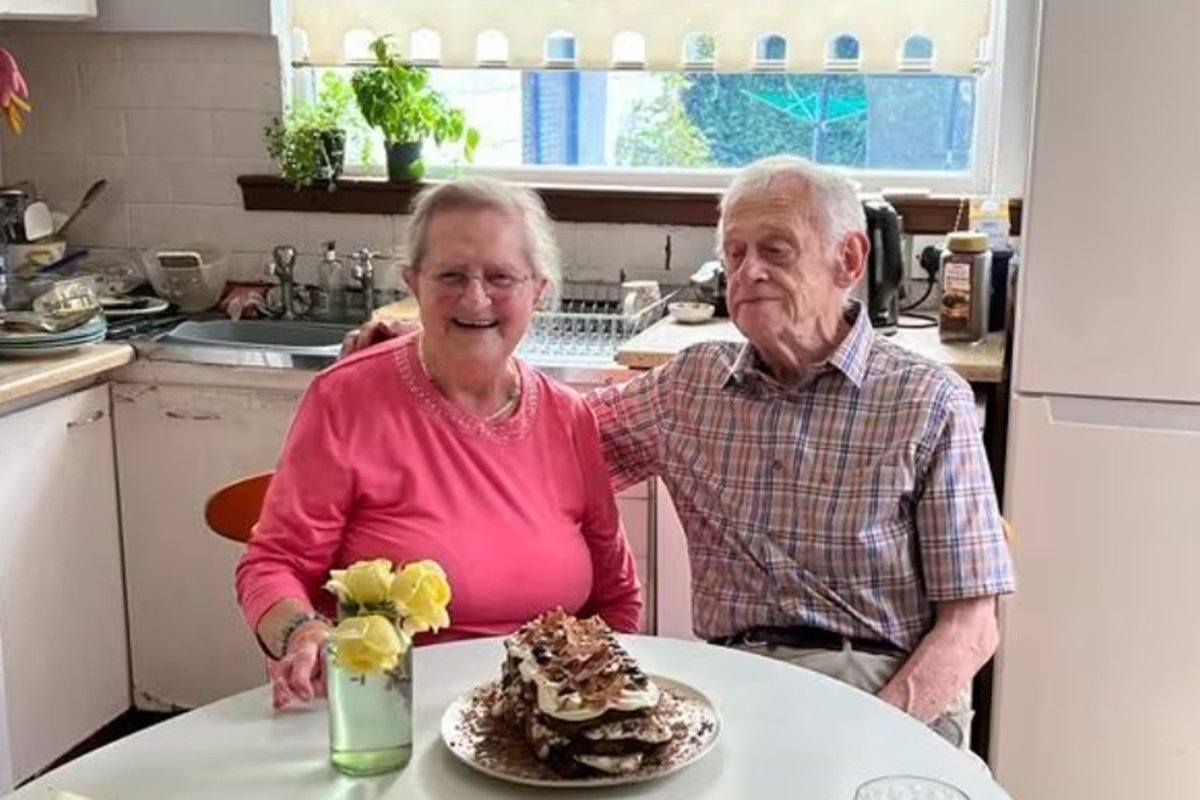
point(584, 705)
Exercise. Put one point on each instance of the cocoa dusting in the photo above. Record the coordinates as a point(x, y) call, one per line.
point(495, 744)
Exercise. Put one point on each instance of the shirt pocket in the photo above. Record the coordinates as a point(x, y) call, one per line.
point(857, 520)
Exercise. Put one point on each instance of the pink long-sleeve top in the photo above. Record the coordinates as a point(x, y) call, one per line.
point(379, 464)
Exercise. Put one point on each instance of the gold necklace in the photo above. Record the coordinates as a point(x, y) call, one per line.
point(514, 396)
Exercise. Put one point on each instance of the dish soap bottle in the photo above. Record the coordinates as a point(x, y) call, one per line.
point(331, 286)
point(966, 287)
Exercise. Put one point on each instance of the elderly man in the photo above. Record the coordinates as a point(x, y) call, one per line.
point(833, 486)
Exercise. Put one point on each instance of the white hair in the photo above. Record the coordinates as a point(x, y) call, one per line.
point(488, 194)
point(833, 203)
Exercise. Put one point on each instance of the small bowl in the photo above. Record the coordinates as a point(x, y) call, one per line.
point(691, 313)
point(27, 257)
point(191, 288)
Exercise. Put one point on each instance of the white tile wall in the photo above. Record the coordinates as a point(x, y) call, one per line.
point(171, 120)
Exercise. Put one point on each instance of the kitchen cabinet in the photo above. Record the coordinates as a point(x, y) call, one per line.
point(175, 446)
point(64, 10)
point(63, 641)
point(673, 572)
point(148, 16)
point(634, 506)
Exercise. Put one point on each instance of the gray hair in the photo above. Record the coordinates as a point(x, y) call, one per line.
point(835, 206)
point(489, 194)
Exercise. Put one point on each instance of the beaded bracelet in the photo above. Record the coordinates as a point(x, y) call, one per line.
point(293, 624)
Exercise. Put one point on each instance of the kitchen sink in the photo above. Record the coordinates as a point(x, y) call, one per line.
point(286, 336)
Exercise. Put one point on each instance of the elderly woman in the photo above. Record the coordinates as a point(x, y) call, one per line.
point(441, 444)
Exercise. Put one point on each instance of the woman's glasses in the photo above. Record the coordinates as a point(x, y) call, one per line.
point(498, 284)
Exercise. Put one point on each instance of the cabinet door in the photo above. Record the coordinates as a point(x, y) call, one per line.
point(634, 506)
point(176, 445)
point(65, 10)
point(1096, 686)
point(63, 641)
point(211, 16)
point(673, 582)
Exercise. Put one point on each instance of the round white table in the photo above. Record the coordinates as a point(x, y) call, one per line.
point(787, 732)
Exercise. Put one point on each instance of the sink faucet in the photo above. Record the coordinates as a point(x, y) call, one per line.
point(363, 271)
point(282, 266)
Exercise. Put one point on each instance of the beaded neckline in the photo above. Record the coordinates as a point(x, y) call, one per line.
point(507, 429)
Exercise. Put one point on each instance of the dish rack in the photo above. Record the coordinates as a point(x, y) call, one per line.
point(588, 323)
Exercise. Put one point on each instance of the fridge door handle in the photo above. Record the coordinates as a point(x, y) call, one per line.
point(1149, 415)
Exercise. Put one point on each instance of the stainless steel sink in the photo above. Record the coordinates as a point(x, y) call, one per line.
point(294, 336)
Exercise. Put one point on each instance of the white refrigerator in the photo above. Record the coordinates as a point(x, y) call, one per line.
point(1098, 676)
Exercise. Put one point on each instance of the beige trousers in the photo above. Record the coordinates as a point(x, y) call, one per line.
point(871, 672)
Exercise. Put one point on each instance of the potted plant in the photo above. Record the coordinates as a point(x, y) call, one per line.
point(397, 99)
point(309, 143)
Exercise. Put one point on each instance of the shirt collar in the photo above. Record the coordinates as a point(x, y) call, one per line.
point(849, 358)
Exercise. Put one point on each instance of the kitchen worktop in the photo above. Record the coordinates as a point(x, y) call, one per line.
point(977, 363)
point(21, 378)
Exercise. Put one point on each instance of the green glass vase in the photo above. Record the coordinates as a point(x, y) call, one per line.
point(370, 717)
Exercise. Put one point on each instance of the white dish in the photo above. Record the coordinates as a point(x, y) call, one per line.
point(691, 313)
point(156, 305)
point(43, 350)
point(92, 329)
point(467, 725)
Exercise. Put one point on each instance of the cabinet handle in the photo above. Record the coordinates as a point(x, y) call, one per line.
point(192, 417)
point(95, 416)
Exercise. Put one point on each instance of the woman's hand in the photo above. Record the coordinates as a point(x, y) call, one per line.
point(299, 676)
point(374, 333)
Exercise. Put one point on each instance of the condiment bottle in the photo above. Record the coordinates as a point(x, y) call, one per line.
point(966, 287)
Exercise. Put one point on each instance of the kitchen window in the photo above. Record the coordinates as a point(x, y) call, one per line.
point(679, 93)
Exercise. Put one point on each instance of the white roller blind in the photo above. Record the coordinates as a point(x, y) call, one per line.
point(946, 36)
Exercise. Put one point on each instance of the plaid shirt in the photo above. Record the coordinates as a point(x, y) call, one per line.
point(851, 502)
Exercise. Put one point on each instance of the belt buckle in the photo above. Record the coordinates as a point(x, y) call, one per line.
point(751, 640)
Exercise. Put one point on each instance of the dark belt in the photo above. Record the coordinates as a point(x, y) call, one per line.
point(803, 637)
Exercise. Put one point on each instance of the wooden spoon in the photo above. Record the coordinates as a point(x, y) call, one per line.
point(89, 197)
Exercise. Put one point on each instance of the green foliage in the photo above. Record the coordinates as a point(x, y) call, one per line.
point(748, 116)
point(308, 143)
point(397, 99)
point(659, 132)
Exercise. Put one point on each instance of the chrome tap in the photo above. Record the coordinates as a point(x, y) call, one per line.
point(363, 272)
point(283, 266)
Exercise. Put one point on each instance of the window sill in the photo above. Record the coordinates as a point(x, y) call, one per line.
point(925, 215)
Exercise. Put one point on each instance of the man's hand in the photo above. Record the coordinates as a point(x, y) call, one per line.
point(963, 638)
point(373, 333)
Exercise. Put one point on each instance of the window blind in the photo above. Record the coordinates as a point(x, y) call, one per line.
point(875, 36)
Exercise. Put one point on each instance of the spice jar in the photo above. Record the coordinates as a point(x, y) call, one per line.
point(966, 287)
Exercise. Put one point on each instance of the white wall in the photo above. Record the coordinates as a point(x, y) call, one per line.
point(172, 119)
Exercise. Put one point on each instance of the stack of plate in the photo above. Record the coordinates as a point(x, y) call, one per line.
point(37, 345)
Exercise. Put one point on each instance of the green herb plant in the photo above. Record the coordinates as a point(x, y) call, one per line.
point(397, 99)
point(308, 143)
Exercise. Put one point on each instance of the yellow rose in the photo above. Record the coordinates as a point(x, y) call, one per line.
point(366, 644)
point(421, 594)
point(364, 582)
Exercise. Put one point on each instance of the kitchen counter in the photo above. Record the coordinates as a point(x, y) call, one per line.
point(977, 363)
point(21, 378)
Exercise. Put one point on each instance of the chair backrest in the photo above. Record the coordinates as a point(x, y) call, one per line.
point(232, 510)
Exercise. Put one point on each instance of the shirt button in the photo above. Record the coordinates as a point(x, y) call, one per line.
point(778, 465)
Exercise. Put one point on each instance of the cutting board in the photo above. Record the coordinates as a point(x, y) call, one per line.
point(405, 310)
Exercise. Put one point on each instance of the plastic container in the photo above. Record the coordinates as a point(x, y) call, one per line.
point(192, 287)
point(966, 288)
